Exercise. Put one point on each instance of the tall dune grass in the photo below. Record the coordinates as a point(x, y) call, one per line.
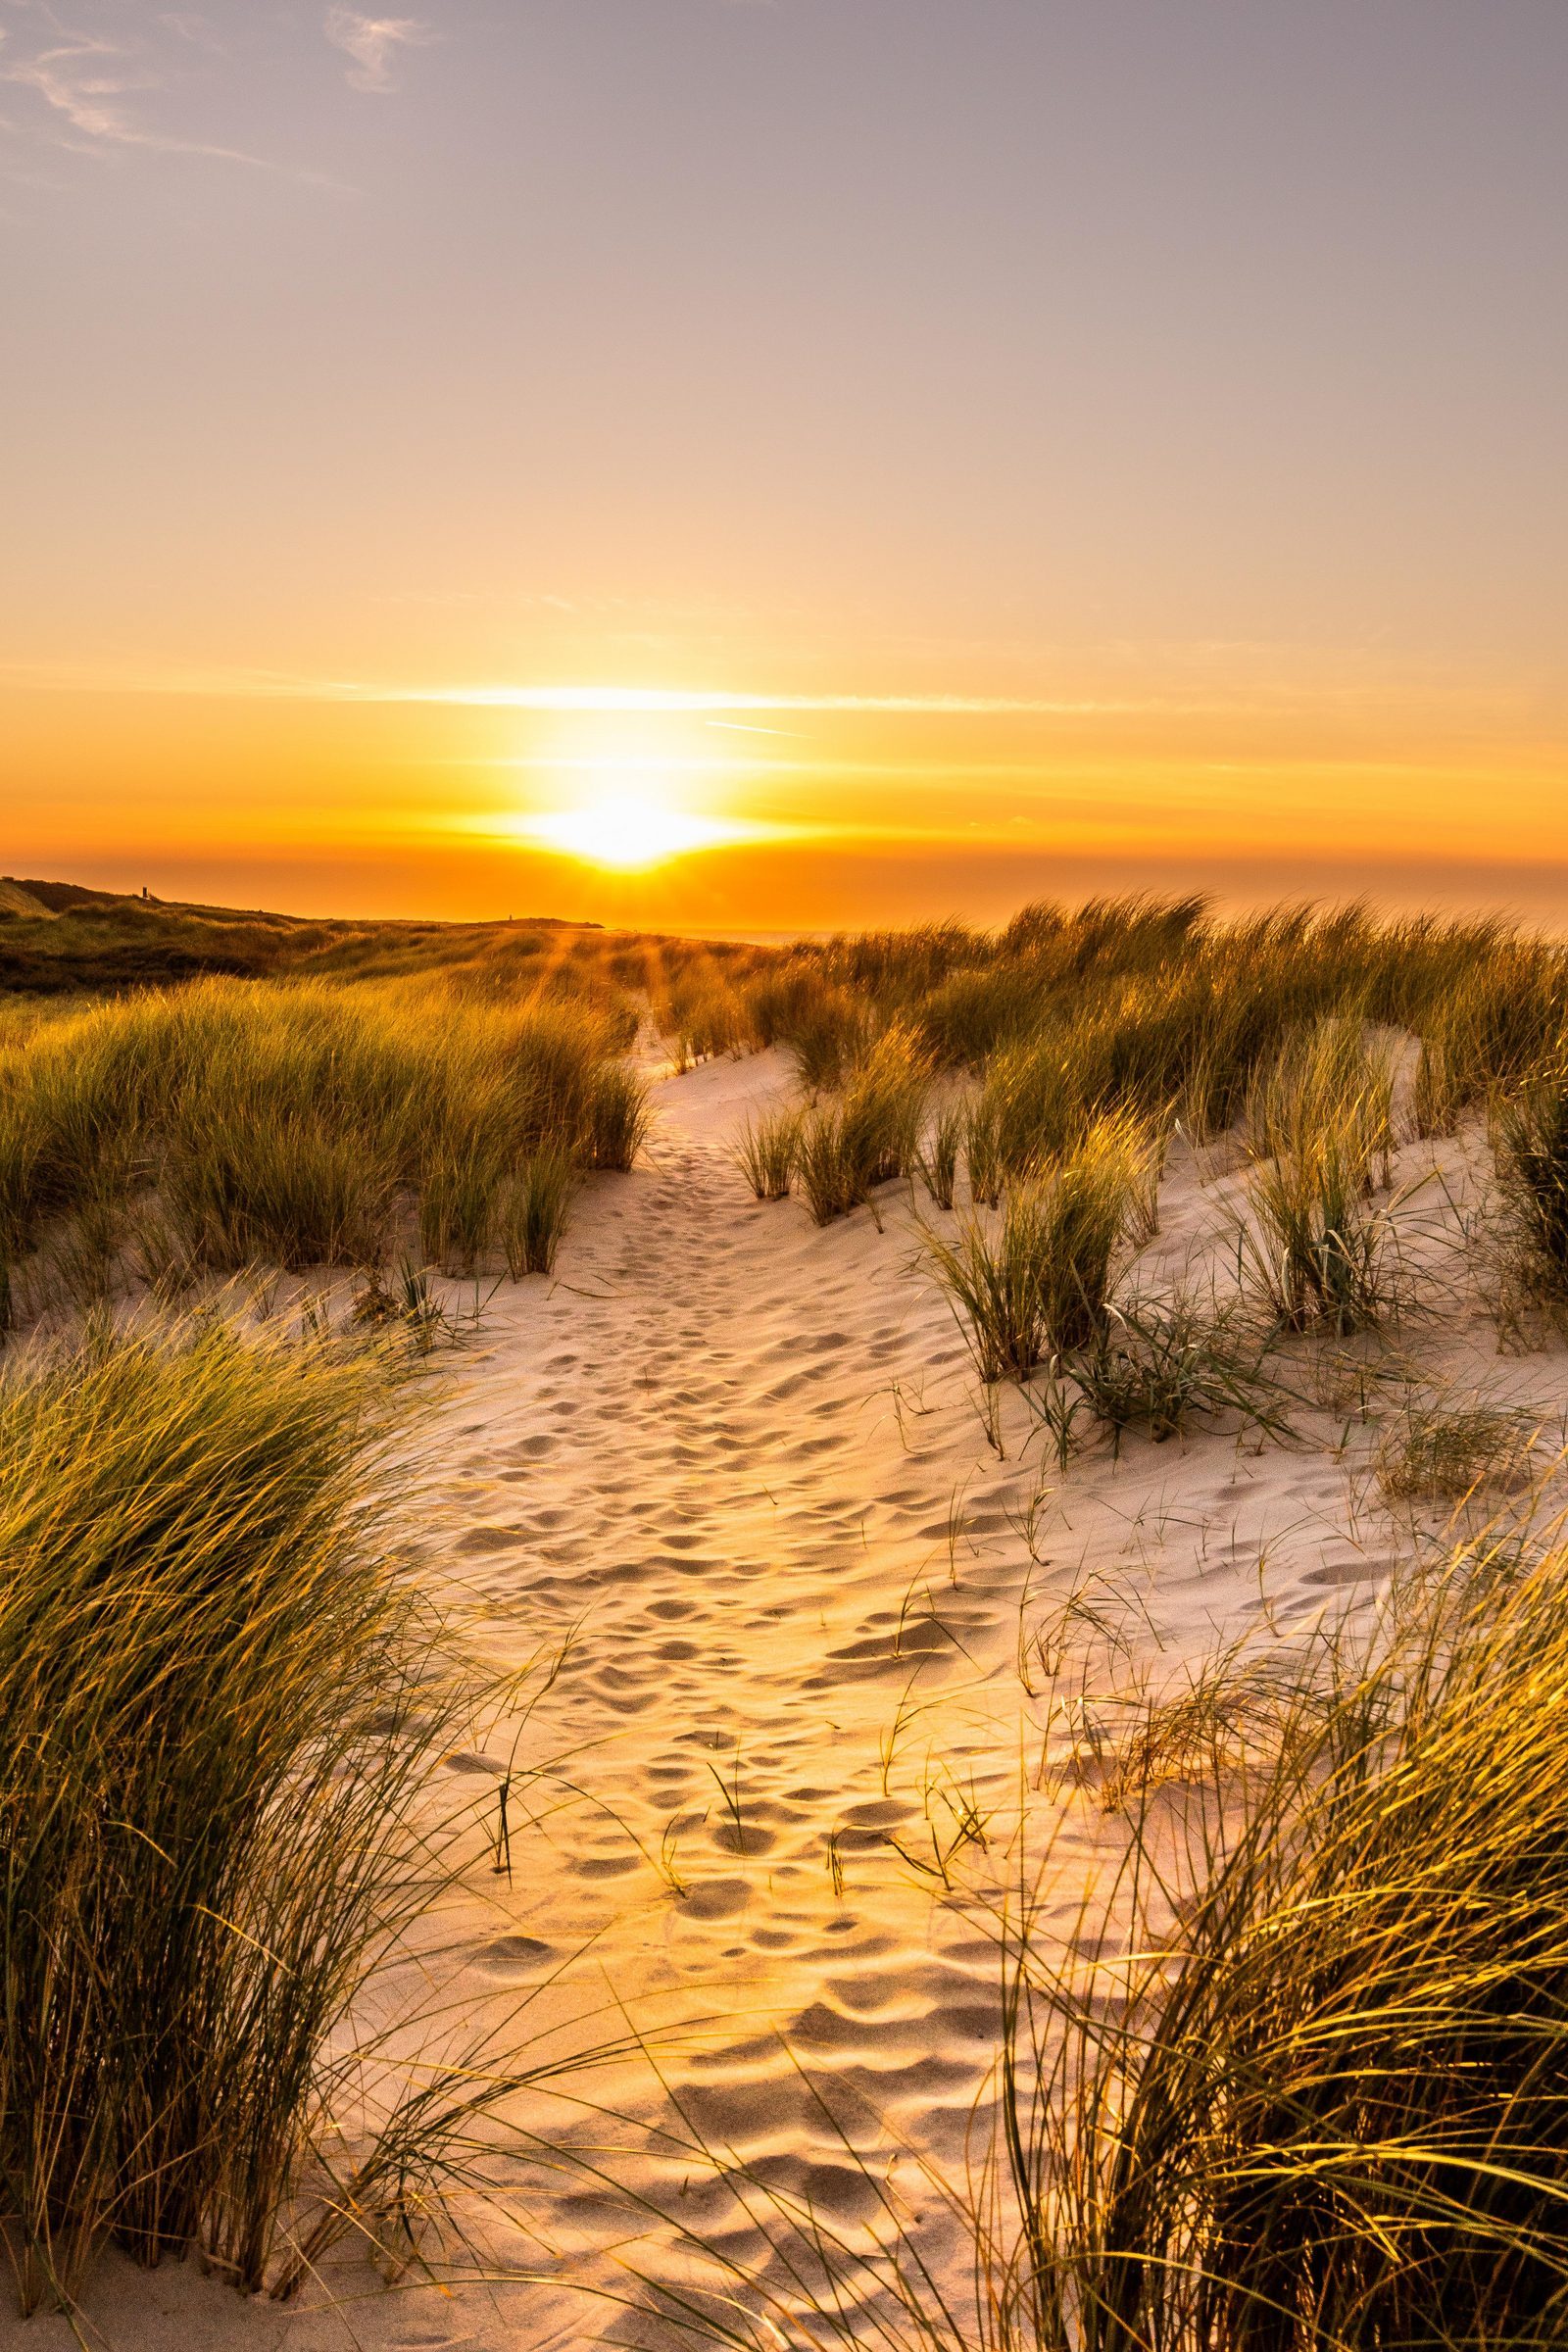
point(1530, 1141)
point(704, 1014)
point(218, 1694)
point(768, 1151)
point(1040, 1095)
point(534, 1211)
point(1039, 1284)
point(826, 1036)
point(982, 1154)
point(1321, 1132)
point(943, 1150)
point(1493, 1025)
point(868, 1132)
point(1154, 1005)
point(1332, 2107)
point(301, 1125)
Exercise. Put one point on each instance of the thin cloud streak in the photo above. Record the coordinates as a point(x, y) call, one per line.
point(78, 81)
point(1266, 700)
point(678, 700)
point(371, 44)
point(84, 78)
point(648, 701)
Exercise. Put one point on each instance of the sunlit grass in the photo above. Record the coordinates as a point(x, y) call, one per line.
point(868, 1132)
point(1038, 1284)
point(1321, 1134)
point(220, 1697)
point(767, 1152)
point(301, 1126)
point(1531, 1138)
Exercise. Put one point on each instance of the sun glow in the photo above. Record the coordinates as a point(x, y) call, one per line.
point(627, 823)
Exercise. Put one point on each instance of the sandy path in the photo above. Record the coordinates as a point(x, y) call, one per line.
point(726, 1472)
point(737, 1463)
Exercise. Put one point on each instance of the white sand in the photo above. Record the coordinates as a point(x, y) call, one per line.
point(739, 1461)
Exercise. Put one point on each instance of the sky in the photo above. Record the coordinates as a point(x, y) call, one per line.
point(768, 464)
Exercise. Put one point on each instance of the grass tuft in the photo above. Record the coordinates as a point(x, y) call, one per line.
point(766, 1152)
point(1320, 1131)
point(982, 1156)
point(1038, 1284)
point(1531, 1144)
point(868, 1133)
point(535, 1209)
point(1160, 1367)
point(939, 1161)
point(1327, 2108)
point(1440, 1455)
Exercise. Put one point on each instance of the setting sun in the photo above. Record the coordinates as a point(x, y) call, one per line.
point(627, 825)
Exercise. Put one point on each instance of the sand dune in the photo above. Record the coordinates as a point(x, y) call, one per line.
point(735, 1466)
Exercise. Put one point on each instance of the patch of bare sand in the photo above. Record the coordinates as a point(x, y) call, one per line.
point(734, 1464)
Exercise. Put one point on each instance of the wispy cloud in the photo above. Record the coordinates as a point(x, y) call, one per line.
point(86, 82)
point(371, 44)
point(664, 699)
point(700, 702)
point(90, 82)
point(86, 78)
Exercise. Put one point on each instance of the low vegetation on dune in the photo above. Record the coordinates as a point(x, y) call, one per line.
point(1285, 1026)
point(1447, 1452)
point(62, 940)
point(230, 1125)
point(1165, 1366)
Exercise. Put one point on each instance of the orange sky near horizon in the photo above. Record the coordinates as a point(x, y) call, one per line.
point(822, 809)
point(778, 466)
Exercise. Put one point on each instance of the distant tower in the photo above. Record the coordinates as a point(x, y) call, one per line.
point(144, 890)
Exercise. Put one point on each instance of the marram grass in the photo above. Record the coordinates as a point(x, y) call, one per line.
point(768, 1151)
point(535, 1207)
point(300, 1125)
point(868, 1132)
point(1531, 1144)
point(1333, 2111)
point(1321, 1134)
point(220, 1696)
point(1036, 1283)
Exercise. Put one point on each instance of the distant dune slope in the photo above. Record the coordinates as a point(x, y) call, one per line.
point(61, 938)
